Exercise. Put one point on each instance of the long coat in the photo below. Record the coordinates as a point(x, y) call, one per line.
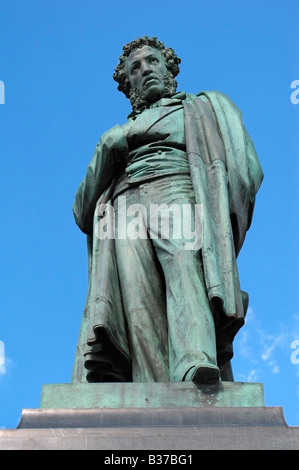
point(226, 175)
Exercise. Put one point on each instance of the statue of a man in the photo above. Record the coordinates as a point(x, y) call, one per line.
point(166, 203)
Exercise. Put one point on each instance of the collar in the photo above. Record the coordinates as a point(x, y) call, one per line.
point(172, 101)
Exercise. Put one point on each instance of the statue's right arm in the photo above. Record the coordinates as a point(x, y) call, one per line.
point(110, 152)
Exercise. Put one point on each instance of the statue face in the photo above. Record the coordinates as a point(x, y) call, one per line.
point(145, 69)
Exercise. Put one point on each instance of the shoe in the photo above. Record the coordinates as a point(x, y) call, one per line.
point(206, 375)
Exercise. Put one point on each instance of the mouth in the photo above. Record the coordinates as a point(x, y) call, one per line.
point(149, 79)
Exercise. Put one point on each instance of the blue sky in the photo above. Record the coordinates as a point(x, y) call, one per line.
point(56, 62)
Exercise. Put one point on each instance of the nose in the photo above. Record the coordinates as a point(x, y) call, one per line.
point(145, 68)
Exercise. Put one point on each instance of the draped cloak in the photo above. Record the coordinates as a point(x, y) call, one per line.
point(226, 175)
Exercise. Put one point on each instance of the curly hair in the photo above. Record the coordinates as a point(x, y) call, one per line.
point(172, 61)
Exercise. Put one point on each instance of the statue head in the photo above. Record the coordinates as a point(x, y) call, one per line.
point(142, 58)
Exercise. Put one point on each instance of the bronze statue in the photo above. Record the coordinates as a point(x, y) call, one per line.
point(166, 203)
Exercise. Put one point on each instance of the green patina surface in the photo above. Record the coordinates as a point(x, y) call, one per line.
point(151, 395)
point(157, 308)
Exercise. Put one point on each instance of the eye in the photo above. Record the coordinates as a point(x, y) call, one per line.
point(154, 60)
point(134, 68)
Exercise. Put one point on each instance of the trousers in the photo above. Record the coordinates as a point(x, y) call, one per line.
point(157, 239)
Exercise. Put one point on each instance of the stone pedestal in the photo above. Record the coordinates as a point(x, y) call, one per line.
point(151, 395)
point(171, 417)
